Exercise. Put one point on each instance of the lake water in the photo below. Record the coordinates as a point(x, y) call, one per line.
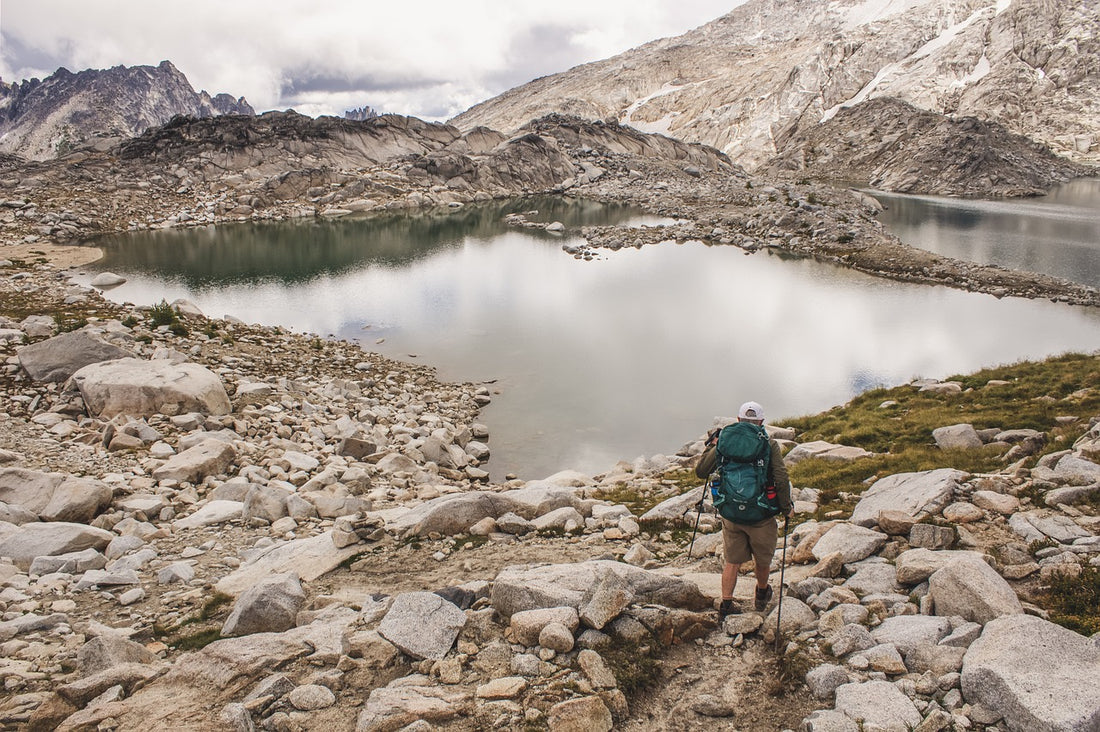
point(1057, 234)
point(633, 353)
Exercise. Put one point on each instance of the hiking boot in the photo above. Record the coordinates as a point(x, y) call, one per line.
point(763, 597)
point(728, 607)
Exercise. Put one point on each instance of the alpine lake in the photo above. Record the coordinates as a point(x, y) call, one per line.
point(636, 351)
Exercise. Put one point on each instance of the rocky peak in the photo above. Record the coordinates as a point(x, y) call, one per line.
point(41, 119)
point(741, 82)
point(361, 114)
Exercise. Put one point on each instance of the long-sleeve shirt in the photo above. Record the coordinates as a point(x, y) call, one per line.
point(777, 472)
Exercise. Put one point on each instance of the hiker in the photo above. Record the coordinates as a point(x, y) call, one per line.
point(749, 526)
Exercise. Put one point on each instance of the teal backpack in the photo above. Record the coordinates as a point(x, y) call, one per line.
point(743, 455)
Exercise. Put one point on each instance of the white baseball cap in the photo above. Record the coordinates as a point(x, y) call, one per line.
point(751, 410)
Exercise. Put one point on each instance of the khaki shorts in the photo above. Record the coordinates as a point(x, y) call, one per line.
point(743, 541)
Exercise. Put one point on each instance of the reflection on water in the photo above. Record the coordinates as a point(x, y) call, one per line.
point(633, 353)
point(211, 257)
point(1057, 234)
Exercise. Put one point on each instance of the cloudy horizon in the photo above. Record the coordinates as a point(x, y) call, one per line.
point(431, 60)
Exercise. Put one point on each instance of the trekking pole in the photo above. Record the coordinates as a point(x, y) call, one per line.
point(698, 515)
point(782, 570)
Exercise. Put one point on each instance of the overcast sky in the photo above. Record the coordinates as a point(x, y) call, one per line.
point(431, 59)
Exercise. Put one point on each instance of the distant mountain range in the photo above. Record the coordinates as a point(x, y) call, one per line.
point(747, 81)
point(878, 91)
point(42, 119)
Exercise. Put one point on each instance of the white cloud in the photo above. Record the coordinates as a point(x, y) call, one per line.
point(432, 59)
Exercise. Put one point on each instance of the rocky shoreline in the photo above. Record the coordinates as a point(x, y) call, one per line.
point(218, 525)
point(281, 165)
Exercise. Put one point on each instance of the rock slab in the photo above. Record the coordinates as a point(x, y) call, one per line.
point(1037, 675)
point(917, 494)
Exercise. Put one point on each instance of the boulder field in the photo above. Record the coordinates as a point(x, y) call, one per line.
point(232, 527)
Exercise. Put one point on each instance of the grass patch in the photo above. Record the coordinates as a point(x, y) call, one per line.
point(212, 604)
point(1040, 544)
point(1074, 602)
point(346, 564)
point(200, 638)
point(628, 495)
point(637, 666)
point(471, 541)
point(1032, 395)
point(196, 641)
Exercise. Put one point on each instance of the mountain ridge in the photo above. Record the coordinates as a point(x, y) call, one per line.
point(41, 119)
point(741, 81)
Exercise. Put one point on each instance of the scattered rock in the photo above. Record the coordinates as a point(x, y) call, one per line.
point(422, 624)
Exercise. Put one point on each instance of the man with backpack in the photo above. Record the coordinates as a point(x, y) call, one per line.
point(749, 488)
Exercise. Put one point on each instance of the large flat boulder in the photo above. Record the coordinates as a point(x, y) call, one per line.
point(827, 451)
point(210, 513)
point(226, 669)
point(957, 437)
point(58, 358)
point(673, 508)
point(54, 496)
point(853, 542)
point(407, 700)
point(529, 587)
point(1037, 675)
point(540, 497)
point(140, 388)
point(917, 494)
point(456, 513)
point(50, 539)
point(906, 632)
point(916, 565)
point(1043, 524)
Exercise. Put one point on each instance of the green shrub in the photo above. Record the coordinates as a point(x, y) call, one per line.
point(163, 314)
point(1074, 602)
point(67, 323)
